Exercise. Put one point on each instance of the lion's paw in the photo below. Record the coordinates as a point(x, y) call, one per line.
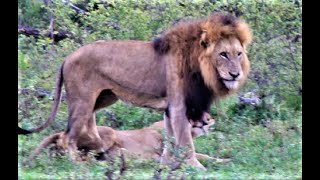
point(194, 162)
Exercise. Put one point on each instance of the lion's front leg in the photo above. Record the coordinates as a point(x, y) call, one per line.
point(166, 155)
point(177, 124)
point(180, 130)
point(182, 135)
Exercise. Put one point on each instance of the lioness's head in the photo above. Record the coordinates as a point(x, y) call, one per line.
point(201, 127)
point(197, 131)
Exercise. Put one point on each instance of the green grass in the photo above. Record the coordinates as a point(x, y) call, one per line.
point(258, 149)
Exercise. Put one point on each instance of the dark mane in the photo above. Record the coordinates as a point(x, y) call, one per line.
point(183, 34)
point(161, 47)
point(187, 41)
point(198, 97)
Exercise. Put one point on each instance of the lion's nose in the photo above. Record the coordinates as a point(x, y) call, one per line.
point(234, 75)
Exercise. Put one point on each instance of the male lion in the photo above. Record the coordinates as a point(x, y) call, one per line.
point(146, 143)
point(182, 72)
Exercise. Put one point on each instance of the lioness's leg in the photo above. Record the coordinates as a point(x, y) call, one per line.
point(206, 157)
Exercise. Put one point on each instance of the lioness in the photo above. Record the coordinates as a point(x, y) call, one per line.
point(143, 143)
point(182, 72)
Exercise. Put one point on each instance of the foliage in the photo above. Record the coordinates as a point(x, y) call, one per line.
point(264, 141)
point(32, 12)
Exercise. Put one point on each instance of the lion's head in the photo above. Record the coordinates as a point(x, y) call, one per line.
point(224, 38)
point(214, 46)
point(225, 65)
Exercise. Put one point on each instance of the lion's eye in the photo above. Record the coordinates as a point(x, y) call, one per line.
point(239, 53)
point(224, 55)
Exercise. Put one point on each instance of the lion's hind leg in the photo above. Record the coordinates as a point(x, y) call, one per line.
point(82, 123)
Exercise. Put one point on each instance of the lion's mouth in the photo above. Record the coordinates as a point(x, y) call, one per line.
point(228, 79)
point(230, 84)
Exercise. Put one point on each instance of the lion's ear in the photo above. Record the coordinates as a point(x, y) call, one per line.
point(203, 40)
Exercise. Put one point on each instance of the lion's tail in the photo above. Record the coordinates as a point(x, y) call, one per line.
point(55, 107)
point(45, 143)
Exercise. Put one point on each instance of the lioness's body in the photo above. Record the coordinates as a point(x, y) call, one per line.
point(145, 143)
point(148, 142)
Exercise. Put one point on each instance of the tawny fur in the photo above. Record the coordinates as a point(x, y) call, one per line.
point(155, 75)
point(185, 39)
point(146, 143)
